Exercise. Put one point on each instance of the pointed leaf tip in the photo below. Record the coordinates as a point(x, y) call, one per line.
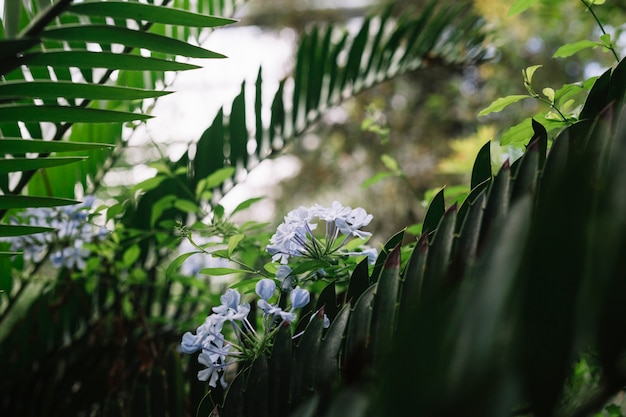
point(393, 260)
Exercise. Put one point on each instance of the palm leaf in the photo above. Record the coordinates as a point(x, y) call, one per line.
point(63, 75)
point(381, 49)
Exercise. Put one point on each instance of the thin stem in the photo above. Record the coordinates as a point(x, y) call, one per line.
point(612, 49)
point(552, 106)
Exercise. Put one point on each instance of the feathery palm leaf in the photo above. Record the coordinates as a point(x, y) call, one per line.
point(60, 65)
point(332, 65)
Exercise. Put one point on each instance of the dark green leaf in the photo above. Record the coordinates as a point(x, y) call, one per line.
point(11, 47)
point(105, 34)
point(87, 59)
point(27, 164)
point(384, 312)
point(67, 89)
point(58, 114)
point(148, 12)
point(22, 201)
point(440, 253)
point(412, 278)
point(435, 212)
point(7, 230)
point(16, 146)
point(482, 166)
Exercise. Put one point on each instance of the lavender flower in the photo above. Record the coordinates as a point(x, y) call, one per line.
point(295, 237)
point(72, 231)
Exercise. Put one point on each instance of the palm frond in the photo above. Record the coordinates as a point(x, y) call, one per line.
point(332, 65)
point(61, 65)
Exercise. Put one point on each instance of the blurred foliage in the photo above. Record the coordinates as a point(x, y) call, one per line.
point(511, 278)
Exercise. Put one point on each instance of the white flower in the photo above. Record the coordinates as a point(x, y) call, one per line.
point(295, 238)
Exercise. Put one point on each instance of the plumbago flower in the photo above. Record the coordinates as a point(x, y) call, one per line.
point(299, 237)
point(246, 343)
point(73, 230)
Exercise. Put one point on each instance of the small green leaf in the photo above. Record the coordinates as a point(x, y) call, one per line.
point(222, 271)
point(233, 241)
point(501, 103)
point(244, 205)
point(572, 48)
point(529, 72)
point(187, 206)
point(606, 39)
point(520, 5)
point(376, 178)
point(149, 184)
point(131, 255)
point(390, 162)
point(176, 263)
point(218, 177)
point(549, 93)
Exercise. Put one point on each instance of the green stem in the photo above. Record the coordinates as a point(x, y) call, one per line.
point(552, 106)
point(611, 48)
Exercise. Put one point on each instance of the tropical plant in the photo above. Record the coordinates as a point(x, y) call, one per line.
point(102, 339)
point(506, 305)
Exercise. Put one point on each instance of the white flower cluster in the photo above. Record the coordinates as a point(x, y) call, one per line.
point(295, 237)
point(72, 230)
point(216, 353)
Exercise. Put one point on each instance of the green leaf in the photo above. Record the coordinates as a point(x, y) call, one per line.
point(549, 93)
point(376, 178)
point(218, 177)
point(223, 271)
point(481, 171)
point(107, 60)
point(440, 253)
point(384, 311)
point(11, 18)
point(60, 114)
point(606, 40)
point(529, 72)
point(435, 212)
point(520, 5)
point(390, 162)
point(244, 205)
point(11, 47)
point(233, 242)
point(28, 164)
point(520, 133)
point(305, 359)
point(572, 48)
point(68, 89)
point(501, 103)
point(9, 230)
point(149, 184)
point(105, 34)
point(187, 206)
point(147, 12)
point(131, 255)
point(24, 201)
point(14, 146)
point(177, 262)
